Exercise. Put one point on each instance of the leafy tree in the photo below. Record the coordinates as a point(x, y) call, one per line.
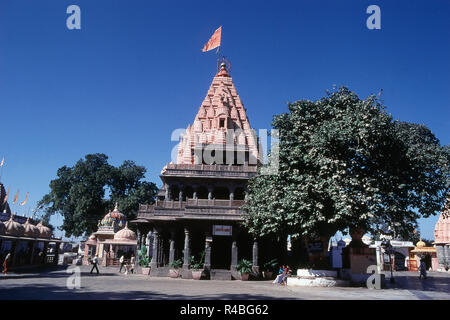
point(344, 162)
point(78, 194)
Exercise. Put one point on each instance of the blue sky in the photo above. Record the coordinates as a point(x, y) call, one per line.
point(135, 72)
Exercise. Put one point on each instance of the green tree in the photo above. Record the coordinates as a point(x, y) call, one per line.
point(79, 192)
point(344, 162)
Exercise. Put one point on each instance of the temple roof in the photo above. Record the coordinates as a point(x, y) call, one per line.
point(220, 111)
point(442, 228)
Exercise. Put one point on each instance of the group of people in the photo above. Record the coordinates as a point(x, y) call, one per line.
point(129, 266)
point(283, 273)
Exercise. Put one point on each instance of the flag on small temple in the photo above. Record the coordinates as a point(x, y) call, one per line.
point(3, 162)
point(16, 197)
point(25, 201)
point(6, 197)
point(214, 42)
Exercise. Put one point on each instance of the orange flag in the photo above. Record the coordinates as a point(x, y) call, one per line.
point(6, 197)
point(16, 197)
point(25, 201)
point(214, 42)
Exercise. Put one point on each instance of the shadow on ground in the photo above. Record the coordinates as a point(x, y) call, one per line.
point(412, 282)
point(51, 292)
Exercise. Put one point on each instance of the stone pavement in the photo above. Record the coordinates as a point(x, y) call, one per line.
point(52, 284)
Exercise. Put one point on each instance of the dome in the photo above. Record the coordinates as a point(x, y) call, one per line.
point(13, 228)
point(421, 244)
point(44, 232)
point(125, 234)
point(116, 214)
point(30, 230)
point(114, 219)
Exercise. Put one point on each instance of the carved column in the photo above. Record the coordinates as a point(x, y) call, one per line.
point(155, 253)
point(255, 257)
point(15, 251)
point(186, 253)
point(172, 246)
point(33, 249)
point(208, 240)
point(167, 195)
point(234, 253)
point(45, 252)
point(210, 192)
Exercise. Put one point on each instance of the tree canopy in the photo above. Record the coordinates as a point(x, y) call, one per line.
point(79, 192)
point(345, 162)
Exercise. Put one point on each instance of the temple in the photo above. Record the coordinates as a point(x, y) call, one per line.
point(198, 209)
point(111, 240)
point(442, 238)
point(29, 242)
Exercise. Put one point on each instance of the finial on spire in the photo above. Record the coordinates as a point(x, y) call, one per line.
point(116, 207)
point(223, 67)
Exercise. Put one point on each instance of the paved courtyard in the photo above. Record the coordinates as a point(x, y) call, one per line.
point(52, 284)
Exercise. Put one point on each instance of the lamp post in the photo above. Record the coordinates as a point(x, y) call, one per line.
point(386, 244)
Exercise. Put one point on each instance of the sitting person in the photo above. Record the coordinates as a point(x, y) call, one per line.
point(280, 274)
point(287, 272)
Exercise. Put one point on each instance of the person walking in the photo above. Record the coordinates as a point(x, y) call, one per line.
point(122, 263)
point(422, 269)
point(6, 262)
point(94, 264)
point(132, 262)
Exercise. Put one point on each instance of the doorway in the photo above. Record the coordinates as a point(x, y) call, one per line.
point(221, 252)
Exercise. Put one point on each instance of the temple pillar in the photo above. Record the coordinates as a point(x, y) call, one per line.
point(186, 251)
point(167, 194)
point(155, 251)
point(255, 257)
point(208, 240)
point(44, 253)
point(57, 244)
point(14, 250)
point(180, 195)
point(161, 249)
point(138, 247)
point(231, 190)
point(210, 192)
point(172, 247)
point(234, 253)
point(33, 248)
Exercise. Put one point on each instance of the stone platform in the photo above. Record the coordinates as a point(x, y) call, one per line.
point(316, 278)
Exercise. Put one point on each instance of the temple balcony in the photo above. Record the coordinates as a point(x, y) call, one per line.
point(192, 209)
point(216, 171)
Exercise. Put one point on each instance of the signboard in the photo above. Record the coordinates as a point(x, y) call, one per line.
point(315, 246)
point(219, 230)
